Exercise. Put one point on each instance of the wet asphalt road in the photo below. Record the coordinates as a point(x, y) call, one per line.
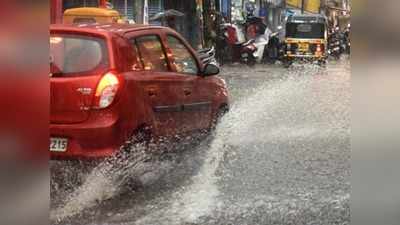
point(280, 156)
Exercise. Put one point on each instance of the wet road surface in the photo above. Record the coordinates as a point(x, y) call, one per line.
point(280, 156)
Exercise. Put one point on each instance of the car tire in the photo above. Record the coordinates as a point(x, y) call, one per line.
point(134, 151)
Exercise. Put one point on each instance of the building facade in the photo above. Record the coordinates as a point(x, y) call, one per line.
point(337, 12)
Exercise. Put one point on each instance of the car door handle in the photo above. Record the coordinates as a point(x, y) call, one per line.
point(152, 92)
point(187, 92)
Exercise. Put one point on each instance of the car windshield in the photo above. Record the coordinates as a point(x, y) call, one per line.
point(305, 30)
point(74, 55)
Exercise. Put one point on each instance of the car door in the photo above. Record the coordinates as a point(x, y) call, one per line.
point(194, 91)
point(158, 85)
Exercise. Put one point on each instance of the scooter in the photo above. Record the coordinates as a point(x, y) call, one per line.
point(264, 48)
point(275, 49)
point(248, 53)
point(236, 44)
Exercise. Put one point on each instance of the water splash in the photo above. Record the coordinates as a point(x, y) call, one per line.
point(289, 109)
point(201, 197)
point(104, 182)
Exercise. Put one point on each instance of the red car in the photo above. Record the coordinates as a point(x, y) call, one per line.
point(109, 82)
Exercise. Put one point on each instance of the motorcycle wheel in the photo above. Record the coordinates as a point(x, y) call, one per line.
point(249, 60)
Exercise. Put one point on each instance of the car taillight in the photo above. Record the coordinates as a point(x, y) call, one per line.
point(106, 90)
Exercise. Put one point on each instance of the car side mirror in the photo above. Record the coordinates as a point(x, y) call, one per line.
point(210, 70)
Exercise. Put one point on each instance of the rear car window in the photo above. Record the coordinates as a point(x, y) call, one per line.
point(74, 55)
point(87, 20)
point(305, 30)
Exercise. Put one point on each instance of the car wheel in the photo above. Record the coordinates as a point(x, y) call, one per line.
point(142, 135)
point(133, 152)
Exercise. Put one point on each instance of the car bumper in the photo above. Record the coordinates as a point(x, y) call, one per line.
point(99, 137)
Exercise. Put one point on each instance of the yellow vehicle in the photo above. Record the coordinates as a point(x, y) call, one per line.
point(306, 38)
point(92, 15)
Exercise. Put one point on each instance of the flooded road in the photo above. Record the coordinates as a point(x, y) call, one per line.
point(280, 156)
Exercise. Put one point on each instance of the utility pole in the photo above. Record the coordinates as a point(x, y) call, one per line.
point(302, 6)
point(146, 12)
point(126, 8)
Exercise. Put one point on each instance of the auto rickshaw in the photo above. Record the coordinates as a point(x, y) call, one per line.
point(306, 38)
point(92, 15)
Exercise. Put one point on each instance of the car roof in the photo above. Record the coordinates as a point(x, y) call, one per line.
point(105, 28)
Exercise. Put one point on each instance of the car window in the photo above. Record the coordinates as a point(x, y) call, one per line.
point(151, 53)
point(137, 63)
point(183, 60)
point(77, 54)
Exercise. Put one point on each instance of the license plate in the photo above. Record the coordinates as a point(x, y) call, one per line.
point(58, 144)
point(245, 54)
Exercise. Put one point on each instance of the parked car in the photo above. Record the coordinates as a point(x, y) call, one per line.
point(111, 82)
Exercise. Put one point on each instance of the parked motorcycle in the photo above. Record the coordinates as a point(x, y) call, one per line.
point(275, 49)
point(251, 42)
point(248, 53)
point(346, 39)
point(235, 47)
point(335, 43)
